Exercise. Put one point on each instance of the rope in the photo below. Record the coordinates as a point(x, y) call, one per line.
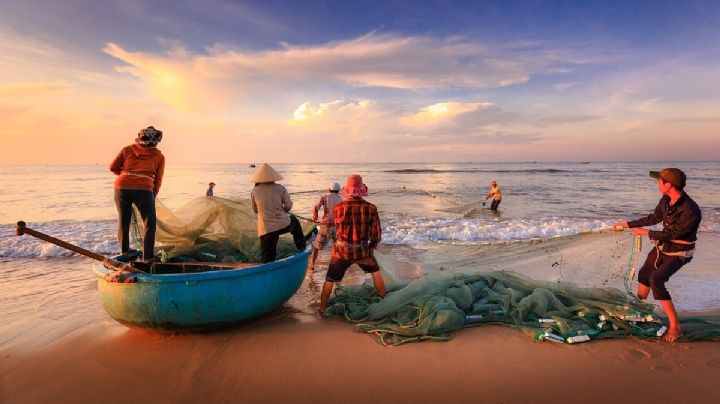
point(137, 236)
point(635, 249)
point(442, 197)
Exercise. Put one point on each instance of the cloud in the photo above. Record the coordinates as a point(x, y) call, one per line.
point(694, 120)
point(16, 90)
point(442, 113)
point(350, 121)
point(222, 74)
point(389, 131)
point(562, 87)
point(564, 119)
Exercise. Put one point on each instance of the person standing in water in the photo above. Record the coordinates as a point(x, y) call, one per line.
point(139, 167)
point(209, 192)
point(327, 227)
point(674, 244)
point(358, 235)
point(272, 203)
point(495, 194)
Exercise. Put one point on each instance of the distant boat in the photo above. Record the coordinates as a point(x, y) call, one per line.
point(585, 162)
point(252, 165)
point(201, 300)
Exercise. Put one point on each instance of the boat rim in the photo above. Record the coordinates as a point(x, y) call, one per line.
point(101, 271)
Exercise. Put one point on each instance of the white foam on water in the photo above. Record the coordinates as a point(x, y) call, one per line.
point(101, 235)
point(96, 236)
point(412, 231)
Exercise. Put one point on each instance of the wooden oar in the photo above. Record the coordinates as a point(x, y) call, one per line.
point(21, 228)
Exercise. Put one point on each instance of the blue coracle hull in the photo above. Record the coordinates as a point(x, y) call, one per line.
point(201, 301)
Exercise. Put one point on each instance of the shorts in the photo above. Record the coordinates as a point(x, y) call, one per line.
point(655, 277)
point(324, 233)
point(337, 267)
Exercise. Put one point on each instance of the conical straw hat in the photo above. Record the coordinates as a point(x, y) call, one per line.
point(265, 174)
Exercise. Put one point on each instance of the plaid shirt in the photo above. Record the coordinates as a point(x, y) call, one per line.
point(358, 229)
point(327, 202)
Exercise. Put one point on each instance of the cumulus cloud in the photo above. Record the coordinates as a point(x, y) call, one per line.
point(442, 113)
point(221, 73)
point(390, 131)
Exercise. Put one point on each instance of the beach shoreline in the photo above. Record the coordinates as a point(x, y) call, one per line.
point(60, 345)
point(286, 357)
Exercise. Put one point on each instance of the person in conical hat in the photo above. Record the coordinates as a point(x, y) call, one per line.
point(272, 203)
point(209, 191)
point(326, 230)
point(265, 174)
point(358, 231)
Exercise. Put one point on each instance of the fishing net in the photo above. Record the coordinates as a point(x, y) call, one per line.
point(213, 230)
point(468, 294)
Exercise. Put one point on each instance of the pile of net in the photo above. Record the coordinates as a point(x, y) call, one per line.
point(431, 307)
point(213, 230)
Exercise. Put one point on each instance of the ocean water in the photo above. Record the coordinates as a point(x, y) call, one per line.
point(431, 214)
point(417, 202)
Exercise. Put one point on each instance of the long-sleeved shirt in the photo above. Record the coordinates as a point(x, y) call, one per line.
point(272, 203)
point(358, 229)
point(680, 221)
point(139, 167)
point(327, 203)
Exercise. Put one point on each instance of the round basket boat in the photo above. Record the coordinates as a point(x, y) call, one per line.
point(204, 300)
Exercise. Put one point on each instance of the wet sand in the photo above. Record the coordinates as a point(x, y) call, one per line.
point(282, 358)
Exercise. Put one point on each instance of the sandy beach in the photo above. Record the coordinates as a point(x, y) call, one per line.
point(289, 358)
point(63, 349)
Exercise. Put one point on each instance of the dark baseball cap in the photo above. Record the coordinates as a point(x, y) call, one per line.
point(674, 176)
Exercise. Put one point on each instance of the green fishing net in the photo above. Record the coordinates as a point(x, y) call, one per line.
point(212, 229)
point(435, 304)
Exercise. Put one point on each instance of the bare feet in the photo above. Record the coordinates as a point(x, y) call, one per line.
point(672, 334)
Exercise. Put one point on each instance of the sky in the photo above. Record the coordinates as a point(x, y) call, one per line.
point(360, 81)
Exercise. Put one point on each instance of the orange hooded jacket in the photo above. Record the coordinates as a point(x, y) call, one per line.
point(139, 167)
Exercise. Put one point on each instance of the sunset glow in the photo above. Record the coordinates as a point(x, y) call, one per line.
point(234, 82)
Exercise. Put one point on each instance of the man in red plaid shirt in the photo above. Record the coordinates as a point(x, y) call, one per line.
point(358, 234)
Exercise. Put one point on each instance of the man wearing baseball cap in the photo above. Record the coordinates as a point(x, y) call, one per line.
point(674, 244)
point(358, 234)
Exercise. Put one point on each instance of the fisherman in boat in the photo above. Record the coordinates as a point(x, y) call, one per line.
point(674, 244)
point(358, 234)
point(326, 229)
point(139, 167)
point(272, 203)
